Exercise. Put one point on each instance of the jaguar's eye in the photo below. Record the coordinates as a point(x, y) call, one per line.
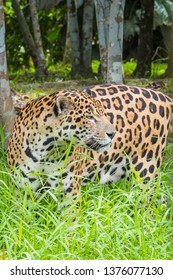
point(91, 118)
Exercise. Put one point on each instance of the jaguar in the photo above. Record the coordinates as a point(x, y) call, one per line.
point(99, 133)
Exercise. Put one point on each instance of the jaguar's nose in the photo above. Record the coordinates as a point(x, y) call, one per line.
point(111, 135)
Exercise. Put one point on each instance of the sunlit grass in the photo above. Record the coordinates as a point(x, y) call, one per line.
point(113, 222)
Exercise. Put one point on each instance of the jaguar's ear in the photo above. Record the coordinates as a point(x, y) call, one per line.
point(63, 105)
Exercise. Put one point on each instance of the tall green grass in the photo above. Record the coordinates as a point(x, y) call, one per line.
point(114, 222)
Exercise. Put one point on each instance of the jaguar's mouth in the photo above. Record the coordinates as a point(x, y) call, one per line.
point(94, 145)
point(103, 147)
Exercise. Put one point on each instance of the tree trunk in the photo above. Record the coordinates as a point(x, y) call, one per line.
point(25, 31)
point(87, 32)
point(169, 35)
point(80, 26)
point(109, 16)
point(145, 41)
point(67, 51)
point(41, 62)
point(102, 15)
point(74, 38)
point(6, 104)
point(115, 42)
point(29, 41)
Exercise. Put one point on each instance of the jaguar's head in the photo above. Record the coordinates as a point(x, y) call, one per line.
point(82, 119)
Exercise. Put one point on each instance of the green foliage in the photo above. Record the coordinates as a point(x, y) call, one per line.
point(129, 67)
point(162, 16)
point(53, 35)
point(158, 69)
point(163, 12)
point(17, 56)
point(53, 30)
point(56, 73)
point(95, 66)
point(62, 70)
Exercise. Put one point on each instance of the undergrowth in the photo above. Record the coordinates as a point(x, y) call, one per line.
point(114, 222)
point(60, 72)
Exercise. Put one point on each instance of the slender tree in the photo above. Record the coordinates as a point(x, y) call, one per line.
point(80, 29)
point(87, 34)
point(67, 50)
point(110, 33)
point(74, 37)
point(27, 36)
point(41, 62)
point(102, 14)
point(115, 42)
point(34, 45)
point(145, 41)
point(6, 103)
point(169, 70)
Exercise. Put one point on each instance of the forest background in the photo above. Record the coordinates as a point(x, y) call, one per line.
point(70, 38)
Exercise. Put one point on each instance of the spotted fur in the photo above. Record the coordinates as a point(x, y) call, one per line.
point(137, 119)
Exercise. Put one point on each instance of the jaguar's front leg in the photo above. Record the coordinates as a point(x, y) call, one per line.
point(66, 187)
point(71, 198)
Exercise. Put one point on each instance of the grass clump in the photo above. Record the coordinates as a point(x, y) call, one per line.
point(113, 222)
